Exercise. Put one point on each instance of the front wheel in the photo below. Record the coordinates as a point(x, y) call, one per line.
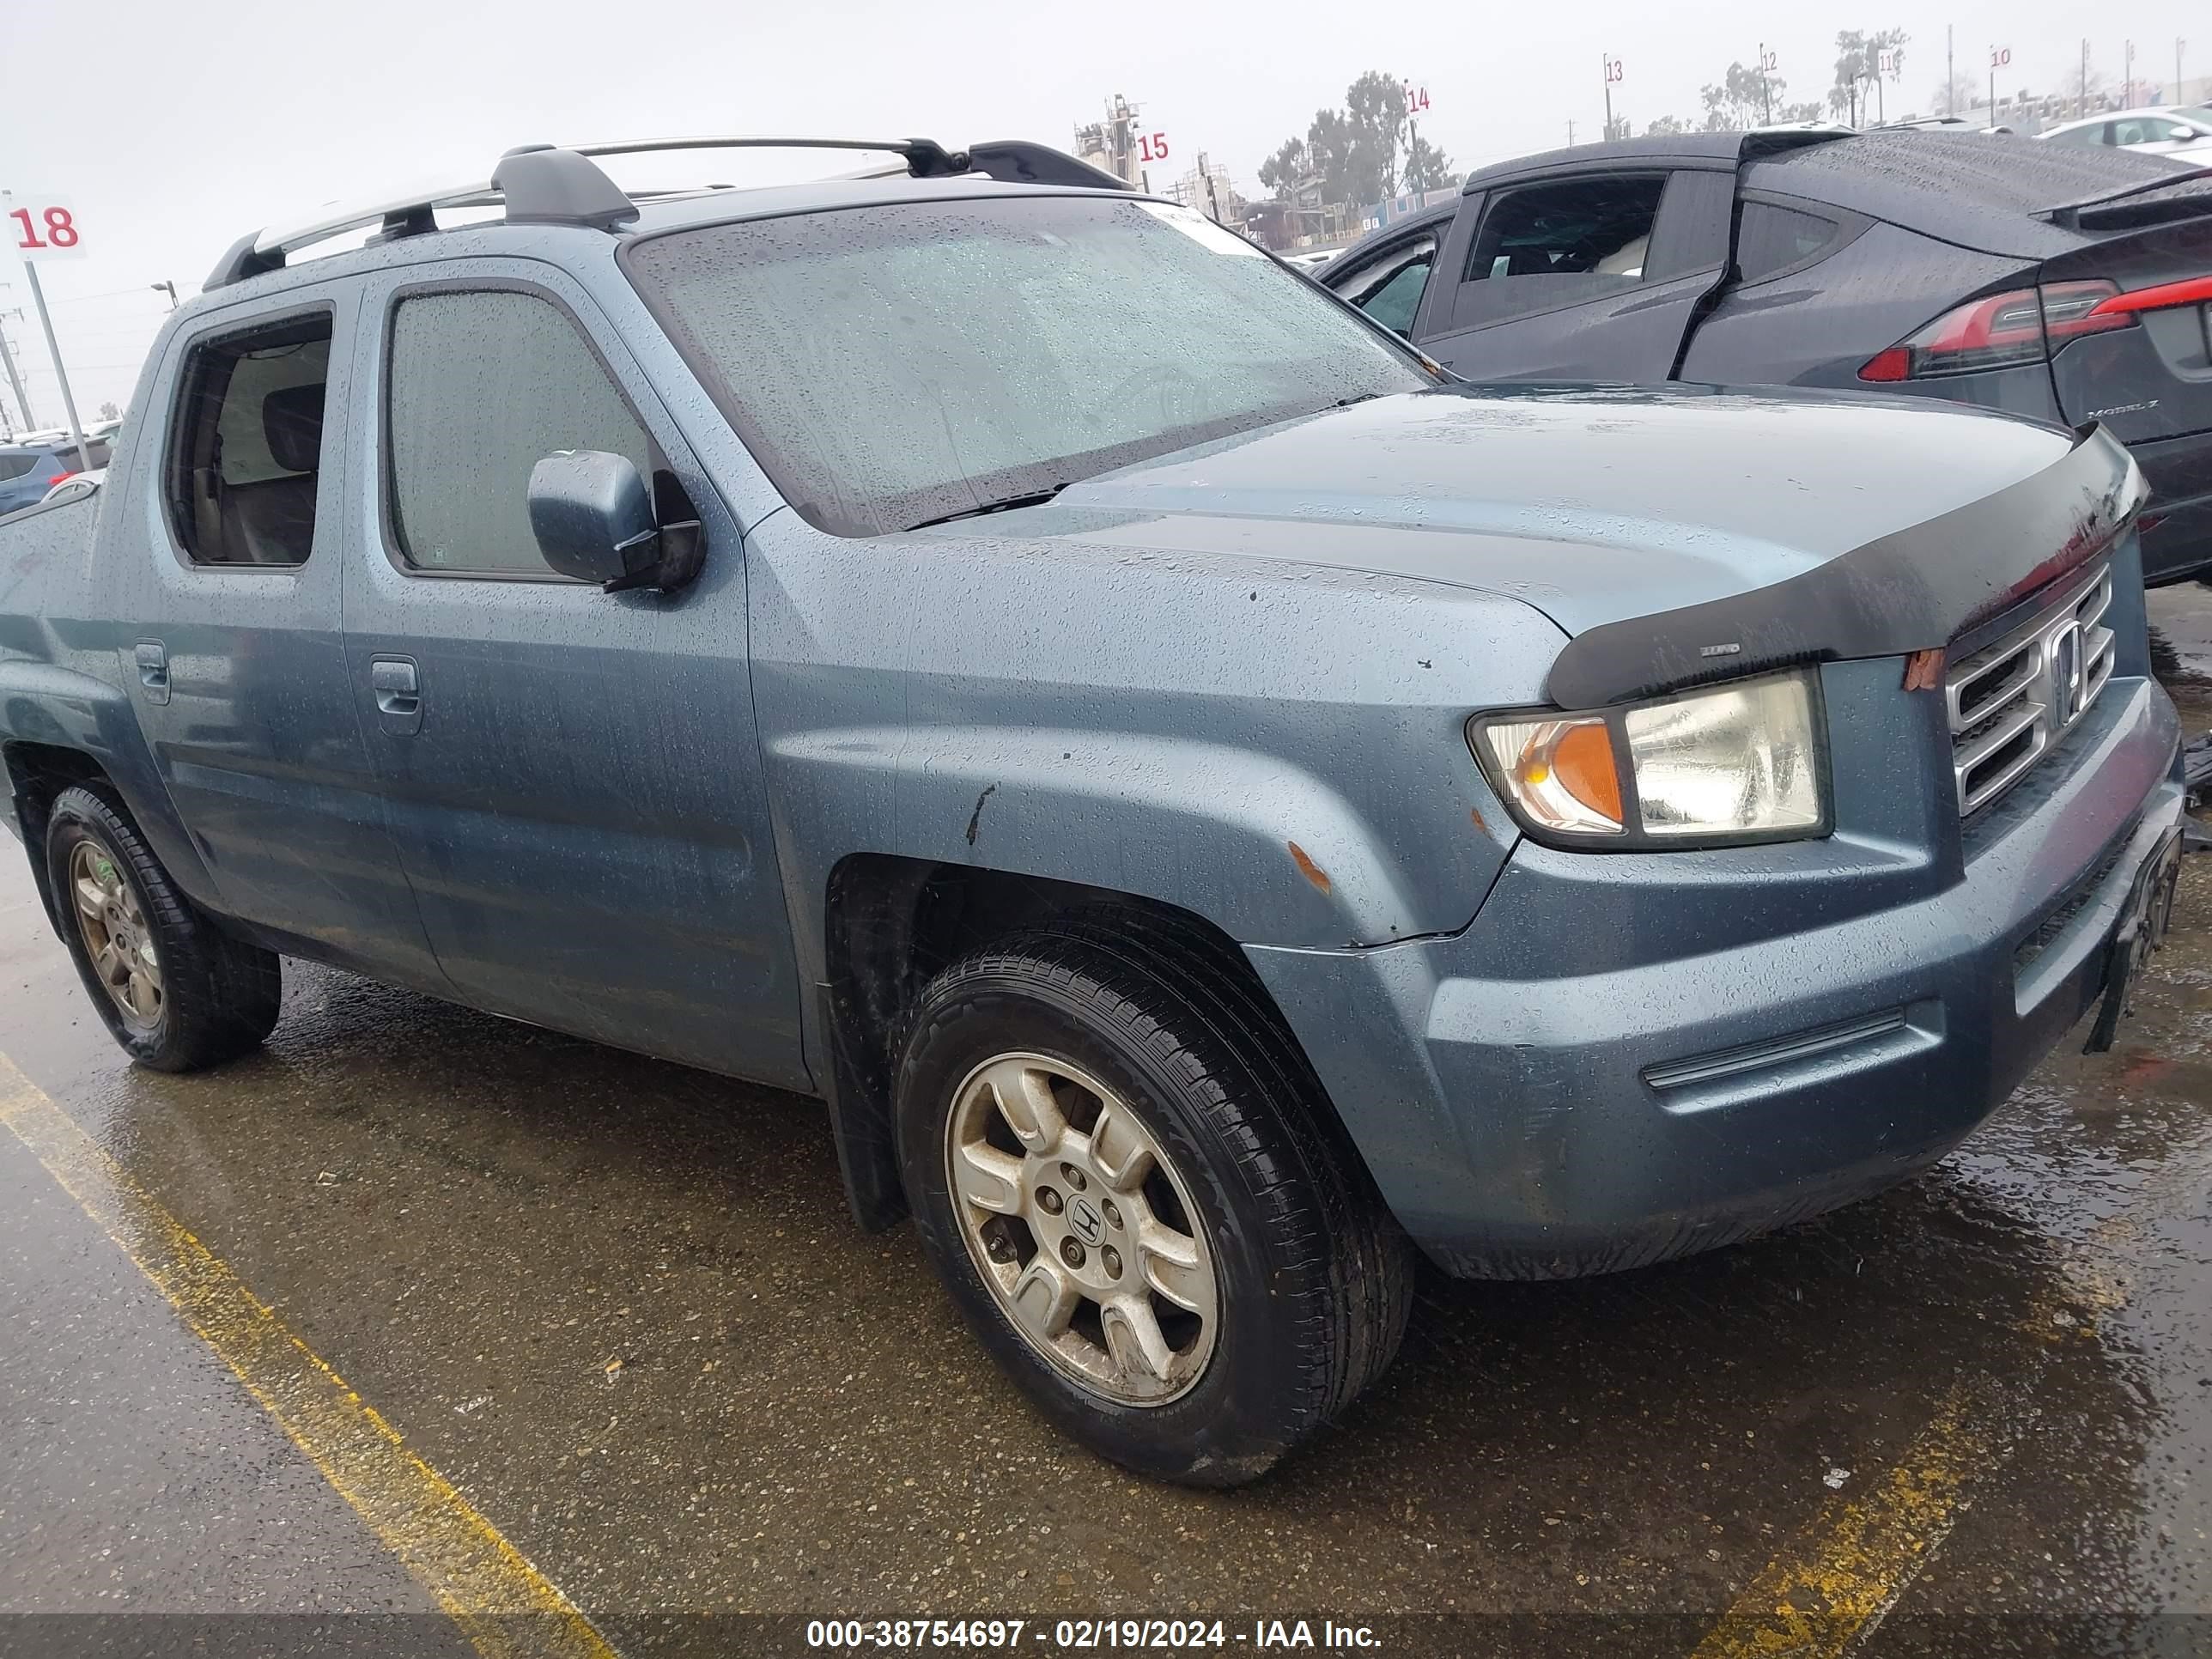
point(1125, 1176)
point(176, 994)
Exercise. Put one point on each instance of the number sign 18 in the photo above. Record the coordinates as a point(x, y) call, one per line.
point(39, 226)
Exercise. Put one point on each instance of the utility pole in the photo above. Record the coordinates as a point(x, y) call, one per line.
point(2179, 43)
point(15, 380)
point(2127, 72)
point(2082, 107)
point(1570, 132)
point(1766, 89)
point(1606, 70)
point(1950, 76)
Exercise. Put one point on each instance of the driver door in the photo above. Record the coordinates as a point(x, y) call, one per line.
point(572, 778)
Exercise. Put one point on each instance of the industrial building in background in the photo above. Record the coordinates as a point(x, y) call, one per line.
point(1116, 144)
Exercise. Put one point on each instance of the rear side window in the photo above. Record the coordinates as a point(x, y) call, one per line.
point(484, 386)
point(1552, 245)
point(247, 455)
point(2088, 137)
point(1769, 239)
point(1592, 227)
point(16, 465)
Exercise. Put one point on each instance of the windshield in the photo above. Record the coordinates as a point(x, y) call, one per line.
point(897, 364)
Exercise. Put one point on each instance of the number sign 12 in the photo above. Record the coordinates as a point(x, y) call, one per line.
point(39, 226)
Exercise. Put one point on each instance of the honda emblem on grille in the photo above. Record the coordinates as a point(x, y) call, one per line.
point(2066, 673)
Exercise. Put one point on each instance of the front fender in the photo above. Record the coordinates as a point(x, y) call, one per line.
point(1262, 848)
point(1278, 749)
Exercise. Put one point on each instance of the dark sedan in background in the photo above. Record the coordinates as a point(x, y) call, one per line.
point(2070, 285)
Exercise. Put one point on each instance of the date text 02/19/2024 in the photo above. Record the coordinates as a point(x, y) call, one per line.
point(1083, 1635)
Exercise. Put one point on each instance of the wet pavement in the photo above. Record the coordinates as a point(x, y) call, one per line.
point(619, 1307)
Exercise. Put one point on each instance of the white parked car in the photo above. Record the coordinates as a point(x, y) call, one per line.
point(2171, 130)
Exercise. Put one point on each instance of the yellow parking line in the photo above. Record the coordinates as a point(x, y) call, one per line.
point(506, 1608)
point(1860, 1552)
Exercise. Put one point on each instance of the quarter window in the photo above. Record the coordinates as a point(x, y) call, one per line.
point(484, 385)
point(1770, 238)
point(243, 473)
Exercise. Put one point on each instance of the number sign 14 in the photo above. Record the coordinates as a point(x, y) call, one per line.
point(39, 226)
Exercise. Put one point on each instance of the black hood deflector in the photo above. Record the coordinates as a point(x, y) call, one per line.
point(1914, 590)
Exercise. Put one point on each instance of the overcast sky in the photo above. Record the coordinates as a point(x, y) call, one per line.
point(174, 128)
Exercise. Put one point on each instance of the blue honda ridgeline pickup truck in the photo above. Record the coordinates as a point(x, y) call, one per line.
point(1211, 803)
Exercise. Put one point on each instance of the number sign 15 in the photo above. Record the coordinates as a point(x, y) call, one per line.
point(39, 226)
point(1151, 147)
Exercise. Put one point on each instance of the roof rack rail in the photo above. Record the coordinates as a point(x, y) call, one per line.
point(550, 185)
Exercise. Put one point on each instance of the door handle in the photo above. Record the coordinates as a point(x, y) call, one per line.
point(153, 659)
point(398, 692)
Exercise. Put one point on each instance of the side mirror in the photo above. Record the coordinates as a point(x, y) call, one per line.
point(593, 519)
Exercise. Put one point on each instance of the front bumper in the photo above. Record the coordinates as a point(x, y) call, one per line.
point(1629, 1057)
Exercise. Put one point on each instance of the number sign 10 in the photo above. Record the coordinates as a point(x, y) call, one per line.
point(39, 226)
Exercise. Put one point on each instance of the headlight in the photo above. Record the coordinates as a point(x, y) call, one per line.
point(1730, 763)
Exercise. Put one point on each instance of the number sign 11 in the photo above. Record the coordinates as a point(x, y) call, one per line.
point(39, 226)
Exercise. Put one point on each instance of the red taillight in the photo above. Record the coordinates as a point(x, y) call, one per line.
point(2194, 291)
point(59, 477)
point(2024, 325)
point(1894, 364)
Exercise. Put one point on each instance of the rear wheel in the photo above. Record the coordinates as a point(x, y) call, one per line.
point(176, 994)
point(1126, 1177)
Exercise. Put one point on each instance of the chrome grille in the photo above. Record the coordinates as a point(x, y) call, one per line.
point(2012, 700)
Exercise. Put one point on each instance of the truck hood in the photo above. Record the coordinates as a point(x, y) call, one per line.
point(1610, 508)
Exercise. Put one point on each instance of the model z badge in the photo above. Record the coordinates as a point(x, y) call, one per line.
point(2066, 673)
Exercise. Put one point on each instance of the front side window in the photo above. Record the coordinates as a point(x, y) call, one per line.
point(243, 471)
point(897, 364)
point(2093, 136)
point(2153, 129)
point(1389, 291)
point(483, 386)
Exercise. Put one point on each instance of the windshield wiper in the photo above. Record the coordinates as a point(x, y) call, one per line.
point(1033, 498)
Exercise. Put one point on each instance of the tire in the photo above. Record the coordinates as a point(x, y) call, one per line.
point(213, 997)
point(1311, 1279)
